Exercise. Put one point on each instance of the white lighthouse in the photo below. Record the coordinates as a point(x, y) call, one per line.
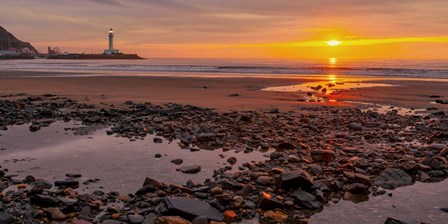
point(111, 49)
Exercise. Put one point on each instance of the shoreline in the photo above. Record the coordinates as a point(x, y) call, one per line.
point(217, 92)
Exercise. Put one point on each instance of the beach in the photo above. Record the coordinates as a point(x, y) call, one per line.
point(215, 92)
point(249, 149)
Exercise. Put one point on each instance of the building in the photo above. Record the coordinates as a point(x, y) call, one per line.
point(111, 49)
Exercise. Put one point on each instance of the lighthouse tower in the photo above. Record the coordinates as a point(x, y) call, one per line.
point(111, 49)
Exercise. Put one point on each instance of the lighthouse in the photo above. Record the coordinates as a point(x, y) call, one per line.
point(111, 49)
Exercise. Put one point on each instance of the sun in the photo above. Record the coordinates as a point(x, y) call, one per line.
point(334, 42)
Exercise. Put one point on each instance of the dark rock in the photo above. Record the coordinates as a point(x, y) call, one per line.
point(274, 155)
point(295, 179)
point(135, 219)
point(393, 178)
point(34, 128)
point(232, 160)
point(442, 101)
point(149, 219)
point(265, 180)
point(43, 184)
point(177, 161)
point(44, 200)
point(55, 213)
point(188, 209)
point(67, 183)
point(285, 146)
point(269, 202)
point(355, 126)
point(306, 200)
point(158, 155)
point(73, 175)
point(444, 209)
point(390, 220)
point(2, 173)
point(357, 188)
point(323, 155)
point(157, 140)
point(190, 169)
point(200, 220)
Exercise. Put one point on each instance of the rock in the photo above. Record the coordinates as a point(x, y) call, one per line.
point(357, 188)
point(443, 152)
point(66, 183)
point(323, 155)
point(438, 163)
point(278, 216)
point(5, 218)
point(390, 220)
point(44, 200)
point(149, 219)
point(73, 175)
point(269, 202)
point(170, 220)
point(232, 160)
point(190, 169)
point(265, 180)
point(200, 220)
point(230, 215)
point(43, 184)
point(188, 208)
point(157, 140)
point(274, 155)
point(444, 209)
point(34, 128)
point(442, 101)
point(392, 178)
point(216, 190)
point(55, 213)
point(355, 126)
point(306, 200)
point(285, 146)
point(238, 199)
point(135, 219)
point(158, 155)
point(295, 179)
point(177, 161)
point(2, 173)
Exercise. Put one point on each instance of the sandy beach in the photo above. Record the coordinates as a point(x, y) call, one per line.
point(217, 92)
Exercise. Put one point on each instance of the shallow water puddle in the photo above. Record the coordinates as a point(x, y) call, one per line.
point(325, 87)
point(120, 165)
point(419, 203)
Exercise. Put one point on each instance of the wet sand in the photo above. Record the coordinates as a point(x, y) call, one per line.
point(214, 92)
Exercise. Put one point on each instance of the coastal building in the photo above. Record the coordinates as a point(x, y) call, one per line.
point(111, 49)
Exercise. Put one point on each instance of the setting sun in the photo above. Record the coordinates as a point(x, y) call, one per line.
point(334, 42)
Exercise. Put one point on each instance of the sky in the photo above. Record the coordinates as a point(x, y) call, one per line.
point(293, 29)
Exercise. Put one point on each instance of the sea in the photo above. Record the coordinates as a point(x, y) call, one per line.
point(239, 67)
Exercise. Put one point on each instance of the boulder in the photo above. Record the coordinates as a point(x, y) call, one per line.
point(306, 200)
point(190, 169)
point(393, 178)
point(295, 179)
point(188, 208)
point(323, 155)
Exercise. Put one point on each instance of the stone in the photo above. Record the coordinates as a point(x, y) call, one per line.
point(34, 128)
point(55, 213)
point(355, 126)
point(190, 169)
point(66, 183)
point(44, 200)
point(5, 218)
point(170, 220)
point(278, 216)
point(135, 219)
point(2, 173)
point(230, 215)
point(216, 190)
point(200, 220)
point(323, 155)
point(238, 199)
point(73, 175)
point(232, 160)
point(393, 178)
point(188, 208)
point(158, 155)
point(274, 155)
point(285, 146)
point(177, 161)
point(294, 180)
point(157, 140)
point(357, 188)
point(269, 202)
point(265, 180)
point(390, 220)
point(438, 163)
point(149, 219)
point(43, 184)
point(306, 200)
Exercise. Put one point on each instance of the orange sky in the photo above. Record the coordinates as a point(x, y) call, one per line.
point(403, 29)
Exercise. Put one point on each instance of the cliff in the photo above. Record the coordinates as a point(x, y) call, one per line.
point(7, 39)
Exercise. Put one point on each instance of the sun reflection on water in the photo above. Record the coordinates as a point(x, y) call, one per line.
point(332, 62)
